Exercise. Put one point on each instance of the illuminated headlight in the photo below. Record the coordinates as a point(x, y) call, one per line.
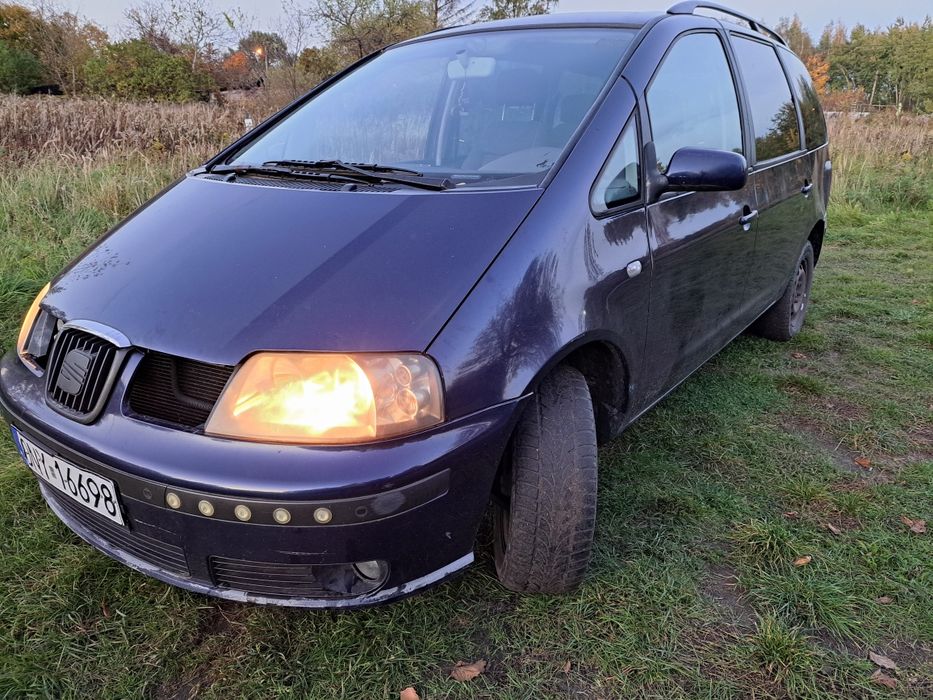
point(328, 398)
point(29, 322)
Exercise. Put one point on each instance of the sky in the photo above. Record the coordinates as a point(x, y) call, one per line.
point(815, 14)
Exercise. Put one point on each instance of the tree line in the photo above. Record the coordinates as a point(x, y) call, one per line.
point(862, 68)
point(180, 50)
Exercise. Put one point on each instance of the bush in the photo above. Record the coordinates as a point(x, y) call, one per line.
point(19, 70)
point(134, 70)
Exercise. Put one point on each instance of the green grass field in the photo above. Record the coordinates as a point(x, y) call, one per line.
point(705, 505)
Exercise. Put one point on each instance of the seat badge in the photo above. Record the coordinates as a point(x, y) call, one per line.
point(74, 371)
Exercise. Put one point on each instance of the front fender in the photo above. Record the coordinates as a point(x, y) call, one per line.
point(560, 282)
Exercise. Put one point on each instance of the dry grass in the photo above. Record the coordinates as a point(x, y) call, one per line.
point(78, 129)
point(882, 161)
point(883, 134)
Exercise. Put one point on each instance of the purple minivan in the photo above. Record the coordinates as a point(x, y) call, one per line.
point(302, 373)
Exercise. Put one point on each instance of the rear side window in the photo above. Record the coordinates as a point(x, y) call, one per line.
point(773, 113)
point(814, 124)
point(692, 100)
point(618, 182)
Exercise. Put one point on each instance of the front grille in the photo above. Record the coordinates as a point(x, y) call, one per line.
point(81, 371)
point(176, 391)
point(166, 556)
point(286, 580)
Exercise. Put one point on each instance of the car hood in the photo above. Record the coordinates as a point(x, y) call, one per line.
point(215, 270)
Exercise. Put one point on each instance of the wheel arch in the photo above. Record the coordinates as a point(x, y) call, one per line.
point(607, 373)
point(816, 239)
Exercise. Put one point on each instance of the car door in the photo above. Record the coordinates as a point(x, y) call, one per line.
point(616, 254)
point(702, 243)
point(781, 174)
point(816, 159)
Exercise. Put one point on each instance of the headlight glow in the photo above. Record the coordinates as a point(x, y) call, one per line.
point(29, 321)
point(328, 398)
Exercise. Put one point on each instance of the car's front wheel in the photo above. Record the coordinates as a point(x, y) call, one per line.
point(545, 505)
point(785, 319)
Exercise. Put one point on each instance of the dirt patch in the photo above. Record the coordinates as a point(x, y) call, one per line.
point(842, 410)
point(825, 513)
point(914, 661)
point(910, 655)
point(920, 438)
point(569, 677)
point(212, 639)
point(880, 469)
point(182, 690)
point(840, 455)
point(217, 619)
point(826, 641)
point(915, 666)
point(721, 586)
point(901, 462)
point(710, 648)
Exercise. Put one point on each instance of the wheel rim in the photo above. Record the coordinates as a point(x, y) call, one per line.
point(798, 308)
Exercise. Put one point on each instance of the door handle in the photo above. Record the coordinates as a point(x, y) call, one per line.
point(747, 220)
point(805, 190)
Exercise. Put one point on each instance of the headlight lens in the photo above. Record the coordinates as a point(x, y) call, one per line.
point(327, 398)
point(29, 322)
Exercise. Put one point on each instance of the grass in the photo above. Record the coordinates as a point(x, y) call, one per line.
point(704, 506)
point(78, 128)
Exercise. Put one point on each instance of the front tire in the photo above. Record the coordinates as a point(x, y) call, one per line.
point(545, 512)
point(785, 319)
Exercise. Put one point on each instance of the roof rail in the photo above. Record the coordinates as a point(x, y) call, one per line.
point(691, 6)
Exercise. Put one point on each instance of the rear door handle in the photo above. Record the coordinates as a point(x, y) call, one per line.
point(805, 190)
point(747, 220)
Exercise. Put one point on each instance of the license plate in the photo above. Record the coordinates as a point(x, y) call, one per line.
point(90, 490)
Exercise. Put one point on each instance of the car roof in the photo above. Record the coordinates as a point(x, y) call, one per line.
point(630, 20)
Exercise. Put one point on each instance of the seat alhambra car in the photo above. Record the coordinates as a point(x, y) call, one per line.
point(302, 372)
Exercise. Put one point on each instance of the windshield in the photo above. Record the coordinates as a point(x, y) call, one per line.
point(489, 106)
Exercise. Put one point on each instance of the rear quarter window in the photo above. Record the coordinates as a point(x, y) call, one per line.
point(774, 115)
point(814, 124)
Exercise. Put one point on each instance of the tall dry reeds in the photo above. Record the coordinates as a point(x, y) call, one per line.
point(882, 161)
point(74, 129)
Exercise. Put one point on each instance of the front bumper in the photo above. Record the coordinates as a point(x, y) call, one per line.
point(414, 503)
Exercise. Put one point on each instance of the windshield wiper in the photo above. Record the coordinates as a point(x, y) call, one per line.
point(270, 170)
point(378, 173)
point(343, 165)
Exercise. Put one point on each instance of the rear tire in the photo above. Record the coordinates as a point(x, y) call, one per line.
point(545, 513)
point(785, 319)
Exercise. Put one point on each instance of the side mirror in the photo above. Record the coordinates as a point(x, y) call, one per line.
point(705, 170)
